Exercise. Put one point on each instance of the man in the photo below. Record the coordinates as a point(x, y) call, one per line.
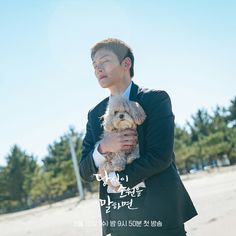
point(148, 197)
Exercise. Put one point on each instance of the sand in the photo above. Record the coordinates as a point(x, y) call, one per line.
point(214, 195)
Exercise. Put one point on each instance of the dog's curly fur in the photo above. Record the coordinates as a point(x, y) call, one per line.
point(121, 114)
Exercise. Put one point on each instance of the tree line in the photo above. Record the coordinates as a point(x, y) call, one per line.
point(206, 141)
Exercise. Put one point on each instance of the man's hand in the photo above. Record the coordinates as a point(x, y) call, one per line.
point(121, 141)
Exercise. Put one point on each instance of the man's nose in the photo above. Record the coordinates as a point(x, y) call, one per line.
point(98, 67)
point(98, 70)
point(121, 116)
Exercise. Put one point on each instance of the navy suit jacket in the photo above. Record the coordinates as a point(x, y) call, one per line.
point(165, 198)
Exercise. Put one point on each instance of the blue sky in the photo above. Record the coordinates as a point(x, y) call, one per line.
point(46, 78)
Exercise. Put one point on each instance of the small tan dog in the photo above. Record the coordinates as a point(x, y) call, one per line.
point(121, 114)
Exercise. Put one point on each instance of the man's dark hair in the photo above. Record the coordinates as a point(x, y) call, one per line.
point(118, 47)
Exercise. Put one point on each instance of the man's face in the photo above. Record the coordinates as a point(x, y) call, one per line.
point(108, 69)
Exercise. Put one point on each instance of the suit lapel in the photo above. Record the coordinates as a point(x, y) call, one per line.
point(133, 92)
point(134, 97)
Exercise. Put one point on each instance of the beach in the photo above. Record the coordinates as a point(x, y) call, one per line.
point(213, 194)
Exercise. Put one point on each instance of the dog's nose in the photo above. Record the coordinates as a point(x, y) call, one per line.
point(121, 116)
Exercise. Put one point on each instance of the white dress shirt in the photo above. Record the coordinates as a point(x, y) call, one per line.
point(99, 158)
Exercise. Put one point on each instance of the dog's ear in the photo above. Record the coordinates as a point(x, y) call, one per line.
point(107, 122)
point(137, 112)
point(101, 118)
point(108, 126)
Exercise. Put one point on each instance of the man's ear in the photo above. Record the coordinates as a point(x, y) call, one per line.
point(137, 112)
point(127, 63)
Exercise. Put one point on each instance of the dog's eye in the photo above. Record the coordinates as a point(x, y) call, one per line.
point(115, 112)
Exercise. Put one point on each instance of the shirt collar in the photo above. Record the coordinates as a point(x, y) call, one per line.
point(126, 93)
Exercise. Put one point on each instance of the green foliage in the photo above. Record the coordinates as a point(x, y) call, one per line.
point(207, 139)
point(232, 112)
point(57, 177)
point(16, 179)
